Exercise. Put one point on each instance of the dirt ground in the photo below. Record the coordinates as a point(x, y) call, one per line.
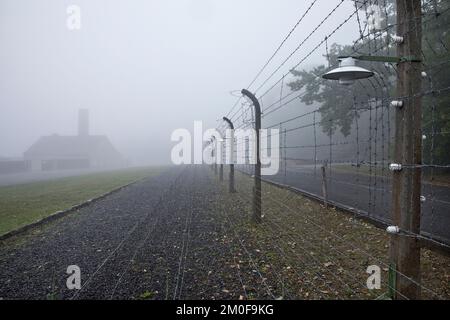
point(319, 253)
point(181, 235)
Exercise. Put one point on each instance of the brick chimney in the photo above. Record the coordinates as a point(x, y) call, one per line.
point(83, 122)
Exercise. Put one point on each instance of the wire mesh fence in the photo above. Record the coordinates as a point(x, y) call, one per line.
point(337, 142)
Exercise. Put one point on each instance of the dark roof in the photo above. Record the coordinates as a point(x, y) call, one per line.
point(71, 146)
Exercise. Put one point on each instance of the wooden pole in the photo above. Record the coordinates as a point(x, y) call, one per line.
point(406, 185)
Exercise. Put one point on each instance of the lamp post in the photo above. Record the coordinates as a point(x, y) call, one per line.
point(257, 186)
point(219, 159)
point(406, 206)
point(221, 165)
point(214, 152)
point(231, 178)
point(404, 271)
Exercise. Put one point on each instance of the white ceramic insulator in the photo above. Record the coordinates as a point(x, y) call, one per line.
point(397, 103)
point(397, 39)
point(395, 167)
point(393, 229)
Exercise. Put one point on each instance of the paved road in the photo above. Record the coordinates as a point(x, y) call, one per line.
point(371, 195)
point(160, 238)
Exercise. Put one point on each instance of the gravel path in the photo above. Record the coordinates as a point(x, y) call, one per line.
point(161, 238)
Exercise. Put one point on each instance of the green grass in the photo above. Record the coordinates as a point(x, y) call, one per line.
point(23, 204)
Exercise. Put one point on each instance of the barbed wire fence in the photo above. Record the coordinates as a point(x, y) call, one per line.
point(338, 143)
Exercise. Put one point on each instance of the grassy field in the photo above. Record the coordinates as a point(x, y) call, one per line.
point(27, 203)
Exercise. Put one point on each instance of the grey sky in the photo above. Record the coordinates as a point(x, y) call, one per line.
point(142, 68)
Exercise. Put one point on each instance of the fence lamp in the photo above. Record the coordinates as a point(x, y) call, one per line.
point(348, 71)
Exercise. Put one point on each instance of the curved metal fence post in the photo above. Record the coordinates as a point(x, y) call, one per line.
point(257, 187)
point(231, 187)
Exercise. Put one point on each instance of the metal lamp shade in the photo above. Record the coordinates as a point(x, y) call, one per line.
point(348, 72)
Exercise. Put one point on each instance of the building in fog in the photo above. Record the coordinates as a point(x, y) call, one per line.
point(83, 151)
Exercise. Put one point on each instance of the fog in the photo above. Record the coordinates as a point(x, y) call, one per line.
point(142, 68)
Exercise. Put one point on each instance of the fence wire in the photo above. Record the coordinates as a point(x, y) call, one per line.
point(343, 137)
